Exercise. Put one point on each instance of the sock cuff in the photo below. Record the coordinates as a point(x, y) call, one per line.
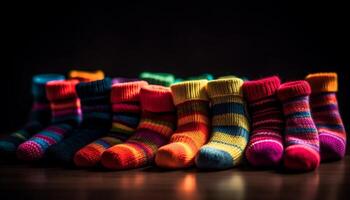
point(87, 90)
point(258, 89)
point(189, 90)
point(323, 82)
point(61, 89)
point(39, 84)
point(225, 87)
point(164, 79)
point(127, 92)
point(293, 89)
point(86, 76)
point(156, 98)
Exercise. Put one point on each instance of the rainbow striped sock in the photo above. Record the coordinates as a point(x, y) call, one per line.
point(97, 119)
point(192, 132)
point(301, 137)
point(40, 115)
point(325, 112)
point(155, 128)
point(126, 114)
point(66, 114)
point(229, 124)
point(265, 147)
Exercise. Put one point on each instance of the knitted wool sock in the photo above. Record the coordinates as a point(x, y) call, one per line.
point(66, 114)
point(125, 99)
point(325, 112)
point(86, 76)
point(192, 132)
point(156, 126)
point(265, 147)
point(40, 115)
point(230, 126)
point(163, 79)
point(97, 119)
point(301, 137)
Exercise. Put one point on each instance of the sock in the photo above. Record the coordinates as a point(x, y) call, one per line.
point(163, 79)
point(125, 98)
point(230, 126)
point(39, 117)
point(265, 147)
point(192, 132)
point(301, 137)
point(325, 112)
point(155, 128)
point(97, 120)
point(86, 76)
point(66, 114)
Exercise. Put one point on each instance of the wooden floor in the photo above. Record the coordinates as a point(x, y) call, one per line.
point(18, 181)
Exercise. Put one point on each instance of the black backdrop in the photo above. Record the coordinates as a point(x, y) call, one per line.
point(247, 40)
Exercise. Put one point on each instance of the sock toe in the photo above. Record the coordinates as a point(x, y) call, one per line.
point(300, 158)
point(174, 155)
point(87, 157)
point(265, 154)
point(212, 158)
point(29, 151)
point(111, 160)
point(332, 147)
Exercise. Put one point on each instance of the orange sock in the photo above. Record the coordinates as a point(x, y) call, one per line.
point(86, 76)
point(192, 104)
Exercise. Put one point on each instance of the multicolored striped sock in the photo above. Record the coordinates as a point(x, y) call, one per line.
point(155, 128)
point(191, 100)
point(86, 76)
point(97, 119)
point(230, 126)
point(66, 114)
point(164, 79)
point(301, 137)
point(325, 112)
point(125, 99)
point(39, 117)
point(265, 147)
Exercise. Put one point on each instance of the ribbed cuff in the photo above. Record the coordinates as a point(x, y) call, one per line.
point(293, 89)
point(225, 87)
point(94, 88)
point(60, 90)
point(323, 82)
point(156, 98)
point(39, 84)
point(189, 90)
point(86, 76)
point(258, 89)
point(127, 92)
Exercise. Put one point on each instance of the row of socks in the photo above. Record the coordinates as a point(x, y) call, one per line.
point(128, 123)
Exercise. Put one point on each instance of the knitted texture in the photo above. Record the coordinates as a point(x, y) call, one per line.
point(301, 137)
point(230, 126)
point(155, 128)
point(192, 132)
point(265, 147)
point(125, 98)
point(40, 115)
point(97, 119)
point(86, 76)
point(66, 114)
point(163, 79)
point(325, 112)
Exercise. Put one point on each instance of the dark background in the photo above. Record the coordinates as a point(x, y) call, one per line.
point(256, 40)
